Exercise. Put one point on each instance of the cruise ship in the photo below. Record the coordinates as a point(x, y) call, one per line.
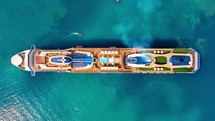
point(108, 60)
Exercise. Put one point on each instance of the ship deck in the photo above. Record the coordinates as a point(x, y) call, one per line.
point(110, 60)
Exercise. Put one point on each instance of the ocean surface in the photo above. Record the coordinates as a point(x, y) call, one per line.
point(107, 97)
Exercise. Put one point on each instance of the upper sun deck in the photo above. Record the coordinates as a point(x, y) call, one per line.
point(132, 60)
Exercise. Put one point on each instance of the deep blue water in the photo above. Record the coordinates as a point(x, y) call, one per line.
point(107, 97)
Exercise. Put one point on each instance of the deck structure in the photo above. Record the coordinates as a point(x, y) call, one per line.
point(109, 60)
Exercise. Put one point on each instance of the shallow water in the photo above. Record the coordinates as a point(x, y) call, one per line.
point(107, 97)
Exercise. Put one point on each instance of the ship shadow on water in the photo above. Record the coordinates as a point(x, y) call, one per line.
point(92, 43)
point(164, 43)
point(102, 43)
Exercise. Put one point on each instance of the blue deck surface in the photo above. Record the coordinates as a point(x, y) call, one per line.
point(81, 60)
point(179, 60)
point(59, 60)
point(140, 60)
point(80, 56)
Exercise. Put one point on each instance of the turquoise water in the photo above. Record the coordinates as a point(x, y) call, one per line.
point(107, 97)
